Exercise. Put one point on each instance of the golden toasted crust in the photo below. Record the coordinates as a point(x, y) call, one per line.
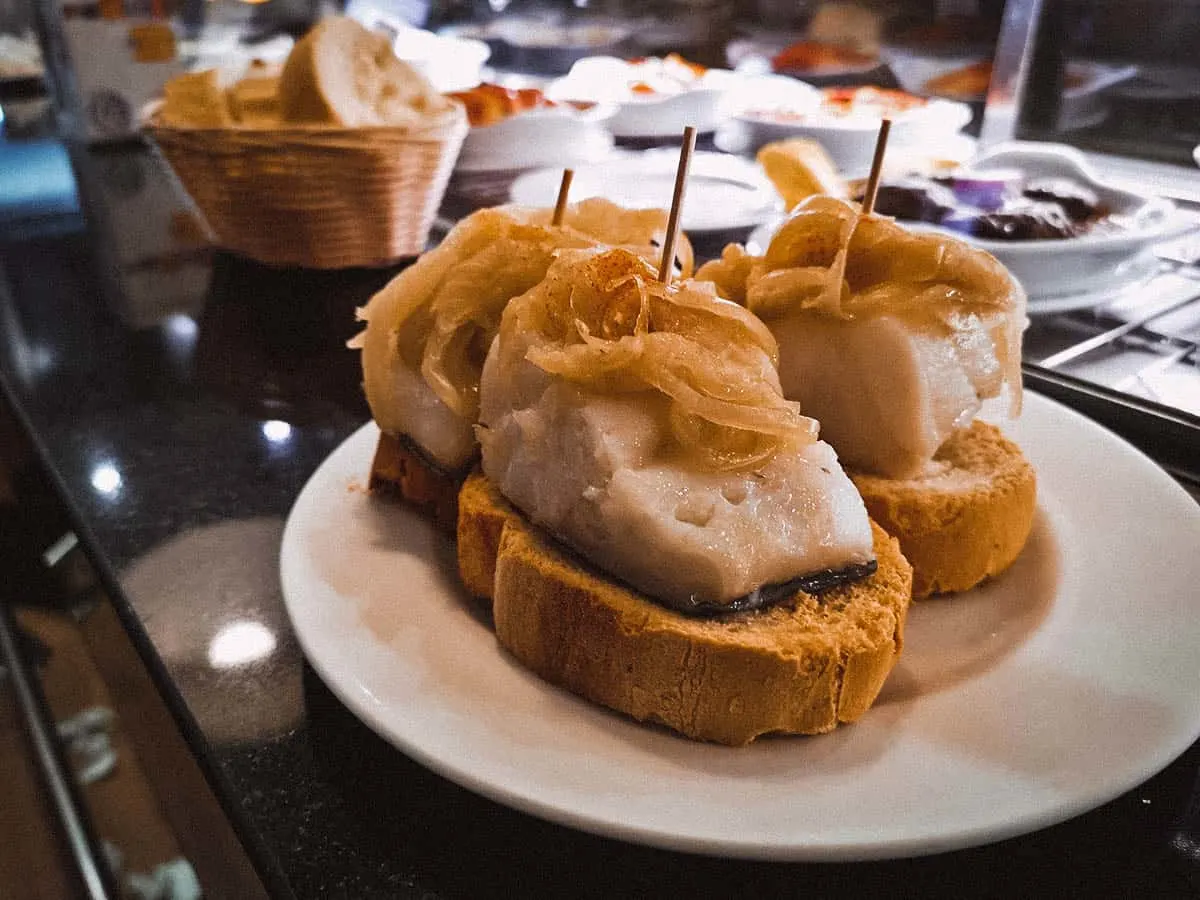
point(799, 667)
point(482, 512)
point(964, 524)
point(397, 470)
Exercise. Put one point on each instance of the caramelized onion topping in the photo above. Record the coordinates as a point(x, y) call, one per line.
point(600, 319)
point(439, 316)
point(828, 258)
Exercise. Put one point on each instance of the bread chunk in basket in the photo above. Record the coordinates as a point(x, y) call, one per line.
point(338, 159)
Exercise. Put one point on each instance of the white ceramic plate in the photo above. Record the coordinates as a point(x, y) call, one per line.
point(1130, 276)
point(537, 137)
point(1088, 263)
point(1066, 682)
point(723, 192)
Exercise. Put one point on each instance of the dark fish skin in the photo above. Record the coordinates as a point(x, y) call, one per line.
point(814, 583)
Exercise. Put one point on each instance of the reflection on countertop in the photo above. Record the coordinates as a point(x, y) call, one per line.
point(210, 601)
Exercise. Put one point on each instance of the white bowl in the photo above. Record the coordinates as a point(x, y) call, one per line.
point(850, 140)
point(450, 63)
point(457, 65)
point(1072, 272)
point(606, 79)
point(1086, 263)
point(554, 136)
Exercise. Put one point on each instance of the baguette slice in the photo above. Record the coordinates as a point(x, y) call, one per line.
point(964, 524)
point(196, 100)
point(341, 74)
point(398, 469)
point(799, 667)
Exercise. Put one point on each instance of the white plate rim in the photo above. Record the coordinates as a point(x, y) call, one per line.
point(1156, 492)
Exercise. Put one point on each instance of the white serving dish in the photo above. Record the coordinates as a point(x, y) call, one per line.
point(1061, 684)
point(850, 140)
point(1050, 268)
point(724, 193)
point(554, 136)
point(606, 79)
point(451, 63)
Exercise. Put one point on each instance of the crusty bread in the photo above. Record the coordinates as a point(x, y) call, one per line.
point(482, 512)
point(802, 666)
point(398, 470)
point(254, 98)
point(964, 524)
point(799, 168)
point(196, 100)
point(342, 74)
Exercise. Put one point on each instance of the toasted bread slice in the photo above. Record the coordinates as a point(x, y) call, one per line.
point(964, 524)
point(801, 666)
point(399, 470)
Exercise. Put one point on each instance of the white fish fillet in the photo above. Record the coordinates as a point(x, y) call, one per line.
point(587, 468)
point(886, 393)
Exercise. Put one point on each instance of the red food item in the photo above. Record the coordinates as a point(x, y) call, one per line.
point(696, 68)
point(805, 56)
point(843, 100)
point(488, 104)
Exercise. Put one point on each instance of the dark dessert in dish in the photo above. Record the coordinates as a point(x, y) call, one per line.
point(1078, 201)
point(1019, 221)
point(996, 206)
point(915, 199)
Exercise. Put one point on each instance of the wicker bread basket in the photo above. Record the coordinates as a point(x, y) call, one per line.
point(324, 198)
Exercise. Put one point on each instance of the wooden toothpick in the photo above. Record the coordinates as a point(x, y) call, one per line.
point(564, 188)
point(868, 203)
point(681, 174)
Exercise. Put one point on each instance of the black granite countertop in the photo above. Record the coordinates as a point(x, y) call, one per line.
point(184, 398)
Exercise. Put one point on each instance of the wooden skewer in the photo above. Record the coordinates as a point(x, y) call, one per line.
point(564, 188)
point(681, 175)
point(868, 203)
